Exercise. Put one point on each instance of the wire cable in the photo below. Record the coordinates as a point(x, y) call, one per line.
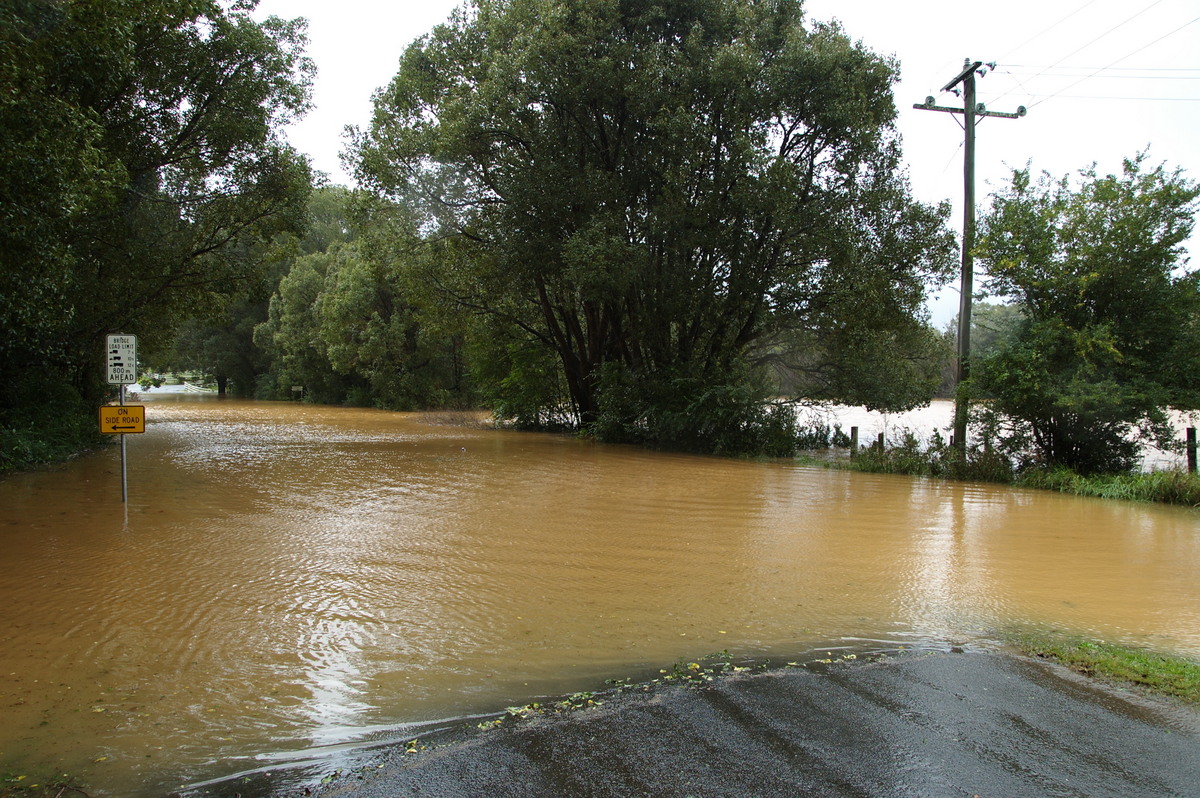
point(1119, 60)
point(1009, 67)
point(1108, 97)
point(1044, 31)
point(1083, 47)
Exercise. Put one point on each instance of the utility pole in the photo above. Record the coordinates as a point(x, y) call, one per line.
point(970, 111)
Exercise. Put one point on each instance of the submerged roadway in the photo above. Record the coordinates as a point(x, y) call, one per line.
point(943, 723)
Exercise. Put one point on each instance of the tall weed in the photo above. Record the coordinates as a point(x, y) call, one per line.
point(1166, 487)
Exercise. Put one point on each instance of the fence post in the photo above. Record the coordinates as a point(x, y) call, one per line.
point(1191, 449)
point(853, 441)
point(881, 441)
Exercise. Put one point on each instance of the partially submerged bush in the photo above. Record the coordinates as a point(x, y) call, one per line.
point(936, 458)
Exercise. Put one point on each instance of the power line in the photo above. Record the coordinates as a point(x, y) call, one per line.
point(1045, 30)
point(1102, 35)
point(1088, 44)
point(1096, 74)
point(1122, 58)
point(1123, 69)
point(1107, 97)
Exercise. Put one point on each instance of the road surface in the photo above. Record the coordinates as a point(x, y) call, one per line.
point(930, 724)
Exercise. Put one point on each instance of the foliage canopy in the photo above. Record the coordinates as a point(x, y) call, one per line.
point(141, 170)
point(665, 197)
point(142, 162)
point(1111, 329)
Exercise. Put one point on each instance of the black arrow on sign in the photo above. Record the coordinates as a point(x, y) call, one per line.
point(115, 427)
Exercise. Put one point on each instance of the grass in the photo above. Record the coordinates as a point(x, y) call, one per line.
point(1161, 674)
point(1167, 487)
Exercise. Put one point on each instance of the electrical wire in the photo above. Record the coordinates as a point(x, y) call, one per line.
point(1119, 60)
point(1108, 97)
point(1045, 30)
point(953, 156)
point(1082, 47)
point(1102, 35)
point(1123, 69)
point(1096, 72)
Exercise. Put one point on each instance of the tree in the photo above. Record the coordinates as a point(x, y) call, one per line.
point(52, 166)
point(662, 195)
point(1110, 337)
point(291, 335)
point(221, 343)
point(992, 325)
point(222, 347)
point(142, 158)
point(140, 161)
point(343, 321)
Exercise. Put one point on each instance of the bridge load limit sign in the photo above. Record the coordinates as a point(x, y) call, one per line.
point(122, 359)
point(122, 419)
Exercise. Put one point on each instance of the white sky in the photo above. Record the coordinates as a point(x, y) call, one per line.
point(1102, 79)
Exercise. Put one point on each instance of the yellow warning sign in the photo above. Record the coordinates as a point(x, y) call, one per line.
point(117, 419)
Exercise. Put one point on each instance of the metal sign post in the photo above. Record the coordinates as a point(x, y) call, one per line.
point(121, 359)
point(124, 460)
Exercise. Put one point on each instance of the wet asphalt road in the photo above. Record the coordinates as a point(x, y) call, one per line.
point(933, 724)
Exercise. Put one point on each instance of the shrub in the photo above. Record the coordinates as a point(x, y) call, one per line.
point(816, 435)
point(686, 414)
point(934, 459)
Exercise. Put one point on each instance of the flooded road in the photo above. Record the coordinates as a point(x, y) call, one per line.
point(288, 579)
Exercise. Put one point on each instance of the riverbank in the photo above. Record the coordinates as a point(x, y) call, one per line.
point(935, 723)
point(1167, 486)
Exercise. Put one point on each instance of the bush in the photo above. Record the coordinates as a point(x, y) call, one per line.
point(840, 439)
point(816, 435)
point(935, 459)
point(684, 414)
point(48, 422)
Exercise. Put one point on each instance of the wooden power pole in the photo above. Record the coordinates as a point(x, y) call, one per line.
point(970, 111)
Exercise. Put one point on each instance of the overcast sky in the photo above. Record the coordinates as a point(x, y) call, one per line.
point(1101, 79)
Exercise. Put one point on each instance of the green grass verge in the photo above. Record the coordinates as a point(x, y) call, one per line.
point(46, 422)
point(1159, 673)
point(1168, 487)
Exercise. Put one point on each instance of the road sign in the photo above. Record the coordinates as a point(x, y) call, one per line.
point(121, 357)
point(122, 419)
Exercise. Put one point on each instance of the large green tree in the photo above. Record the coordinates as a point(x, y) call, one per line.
point(1109, 339)
point(141, 162)
point(343, 320)
point(141, 158)
point(221, 344)
point(663, 195)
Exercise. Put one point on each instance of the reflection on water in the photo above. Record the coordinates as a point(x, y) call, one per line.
point(293, 577)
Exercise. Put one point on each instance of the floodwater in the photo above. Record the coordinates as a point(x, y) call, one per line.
point(288, 580)
point(938, 416)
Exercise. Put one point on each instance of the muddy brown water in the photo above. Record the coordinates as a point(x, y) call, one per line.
point(290, 580)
